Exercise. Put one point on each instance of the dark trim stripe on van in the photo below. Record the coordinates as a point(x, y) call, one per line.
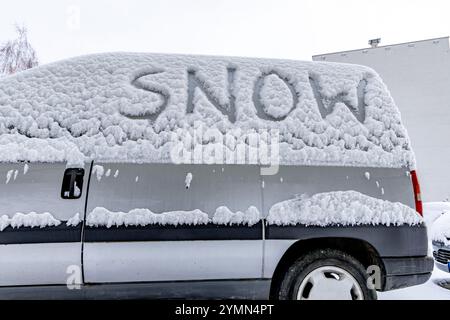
point(173, 233)
point(64, 233)
point(57, 234)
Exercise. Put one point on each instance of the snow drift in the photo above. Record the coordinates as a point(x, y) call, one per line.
point(31, 220)
point(102, 217)
point(342, 208)
point(133, 107)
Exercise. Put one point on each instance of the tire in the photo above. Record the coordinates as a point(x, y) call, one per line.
point(333, 271)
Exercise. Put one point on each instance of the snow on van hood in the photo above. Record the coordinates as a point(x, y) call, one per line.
point(343, 208)
point(137, 107)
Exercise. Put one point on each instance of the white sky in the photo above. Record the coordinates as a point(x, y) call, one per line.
point(261, 28)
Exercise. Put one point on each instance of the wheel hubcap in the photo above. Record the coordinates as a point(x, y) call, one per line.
point(329, 283)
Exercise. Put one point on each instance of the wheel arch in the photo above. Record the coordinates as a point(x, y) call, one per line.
point(360, 249)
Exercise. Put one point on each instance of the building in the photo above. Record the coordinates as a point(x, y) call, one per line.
point(418, 76)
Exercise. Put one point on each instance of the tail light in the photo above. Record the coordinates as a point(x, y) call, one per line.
point(417, 195)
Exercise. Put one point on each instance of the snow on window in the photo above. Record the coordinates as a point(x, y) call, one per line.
point(367, 175)
point(126, 107)
point(116, 174)
point(74, 221)
point(344, 208)
point(188, 180)
point(108, 173)
point(31, 219)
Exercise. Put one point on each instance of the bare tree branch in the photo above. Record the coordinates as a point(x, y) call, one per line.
point(17, 55)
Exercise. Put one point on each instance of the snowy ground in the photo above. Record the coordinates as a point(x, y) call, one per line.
point(429, 290)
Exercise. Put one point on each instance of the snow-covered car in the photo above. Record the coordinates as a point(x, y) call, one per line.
point(440, 235)
point(150, 175)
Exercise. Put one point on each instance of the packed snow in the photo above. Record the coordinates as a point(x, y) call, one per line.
point(142, 217)
point(101, 217)
point(276, 97)
point(224, 216)
point(31, 219)
point(74, 221)
point(136, 107)
point(344, 208)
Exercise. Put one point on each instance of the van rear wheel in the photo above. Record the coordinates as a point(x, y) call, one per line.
point(326, 275)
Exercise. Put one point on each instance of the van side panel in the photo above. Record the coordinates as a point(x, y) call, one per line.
point(40, 264)
point(382, 183)
point(167, 252)
point(172, 261)
point(34, 256)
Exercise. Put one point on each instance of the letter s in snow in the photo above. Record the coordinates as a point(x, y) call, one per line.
point(146, 112)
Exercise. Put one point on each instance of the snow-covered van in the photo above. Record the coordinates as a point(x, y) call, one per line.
point(151, 175)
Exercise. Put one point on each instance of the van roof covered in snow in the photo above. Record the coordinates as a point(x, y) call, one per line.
point(138, 107)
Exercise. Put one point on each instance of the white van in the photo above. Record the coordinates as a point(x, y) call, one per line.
point(151, 175)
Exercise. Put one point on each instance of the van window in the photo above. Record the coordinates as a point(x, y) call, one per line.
point(72, 184)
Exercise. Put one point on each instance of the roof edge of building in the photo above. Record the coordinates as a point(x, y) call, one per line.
point(380, 47)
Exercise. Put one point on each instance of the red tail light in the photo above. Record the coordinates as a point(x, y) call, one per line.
point(417, 195)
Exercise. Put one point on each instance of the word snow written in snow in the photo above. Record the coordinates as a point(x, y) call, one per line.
point(125, 107)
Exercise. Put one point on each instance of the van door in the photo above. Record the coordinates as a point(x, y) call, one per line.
point(137, 251)
point(40, 235)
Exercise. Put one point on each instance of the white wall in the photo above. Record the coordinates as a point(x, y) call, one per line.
point(418, 76)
